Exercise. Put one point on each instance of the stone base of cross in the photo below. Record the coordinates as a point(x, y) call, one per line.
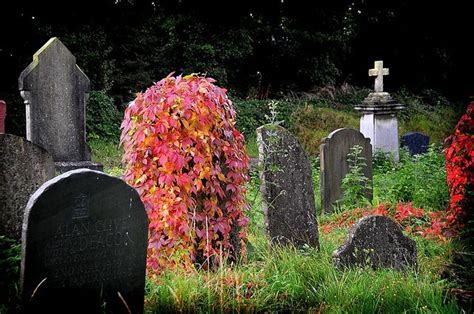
point(379, 120)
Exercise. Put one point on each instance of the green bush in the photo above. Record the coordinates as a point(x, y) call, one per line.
point(252, 114)
point(355, 183)
point(420, 179)
point(310, 125)
point(428, 113)
point(10, 273)
point(103, 117)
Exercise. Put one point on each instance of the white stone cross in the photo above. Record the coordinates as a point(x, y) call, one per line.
point(379, 72)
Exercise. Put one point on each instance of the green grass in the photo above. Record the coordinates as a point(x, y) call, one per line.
point(285, 278)
point(109, 154)
point(289, 279)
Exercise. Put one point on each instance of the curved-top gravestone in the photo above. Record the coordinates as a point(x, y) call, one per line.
point(23, 168)
point(55, 91)
point(287, 188)
point(334, 166)
point(416, 142)
point(84, 244)
point(376, 241)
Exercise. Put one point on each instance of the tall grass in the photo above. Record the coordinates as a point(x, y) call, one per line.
point(285, 278)
point(289, 279)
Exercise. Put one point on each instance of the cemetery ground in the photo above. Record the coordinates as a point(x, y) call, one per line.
point(289, 278)
point(282, 278)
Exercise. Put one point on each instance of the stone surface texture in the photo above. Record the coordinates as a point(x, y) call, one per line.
point(416, 143)
point(55, 91)
point(287, 188)
point(24, 167)
point(334, 166)
point(84, 244)
point(377, 242)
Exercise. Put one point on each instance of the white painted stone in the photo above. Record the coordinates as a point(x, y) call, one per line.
point(379, 115)
point(379, 71)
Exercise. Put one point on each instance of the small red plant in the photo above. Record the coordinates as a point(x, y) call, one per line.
point(187, 160)
point(414, 220)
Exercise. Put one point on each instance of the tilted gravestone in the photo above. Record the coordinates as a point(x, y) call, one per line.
point(287, 188)
point(24, 167)
point(55, 91)
point(334, 166)
point(415, 142)
point(84, 243)
point(378, 242)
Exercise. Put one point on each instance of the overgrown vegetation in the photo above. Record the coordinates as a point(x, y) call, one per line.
point(285, 278)
point(420, 179)
point(187, 161)
point(312, 116)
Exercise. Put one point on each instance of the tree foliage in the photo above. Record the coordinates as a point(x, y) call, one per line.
point(188, 163)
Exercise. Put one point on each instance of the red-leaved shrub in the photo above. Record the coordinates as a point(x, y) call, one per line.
point(187, 160)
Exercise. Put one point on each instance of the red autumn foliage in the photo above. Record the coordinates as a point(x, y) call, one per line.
point(187, 160)
point(460, 171)
point(413, 220)
point(459, 154)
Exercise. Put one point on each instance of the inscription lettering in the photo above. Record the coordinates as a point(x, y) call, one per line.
point(95, 248)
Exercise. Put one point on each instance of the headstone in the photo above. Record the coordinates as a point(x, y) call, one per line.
point(84, 244)
point(416, 143)
point(287, 188)
point(334, 166)
point(3, 115)
point(378, 242)
point(55, 91)
point(24, 167)
point(379, 120)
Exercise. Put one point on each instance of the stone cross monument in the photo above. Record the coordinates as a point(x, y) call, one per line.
point(379, 115)
point(379, 72)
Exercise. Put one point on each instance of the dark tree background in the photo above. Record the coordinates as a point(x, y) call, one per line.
point(254, 48)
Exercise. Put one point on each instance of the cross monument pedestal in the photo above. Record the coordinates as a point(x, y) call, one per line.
point(379, 120)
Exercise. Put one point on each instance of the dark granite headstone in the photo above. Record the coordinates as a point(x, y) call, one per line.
point(415, 142)
point(287, 188)
point(334, 166)
point(3, 114)
point(23, 168)
point(55, 91)
point(84, 244)
point(378, 242)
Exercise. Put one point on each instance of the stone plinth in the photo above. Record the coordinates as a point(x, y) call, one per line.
point(379, 122)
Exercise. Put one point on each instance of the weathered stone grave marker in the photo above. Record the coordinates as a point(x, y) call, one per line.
point(84, 243)
point(55, 91)
point(334, 166)
point(24, 167)
point(379, 71)
point(3, 115)
point(415, 142)
point(379, 115)
point(287, 188)
point(376, 241)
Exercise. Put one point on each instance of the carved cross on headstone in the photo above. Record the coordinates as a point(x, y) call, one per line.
point(379, 72)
